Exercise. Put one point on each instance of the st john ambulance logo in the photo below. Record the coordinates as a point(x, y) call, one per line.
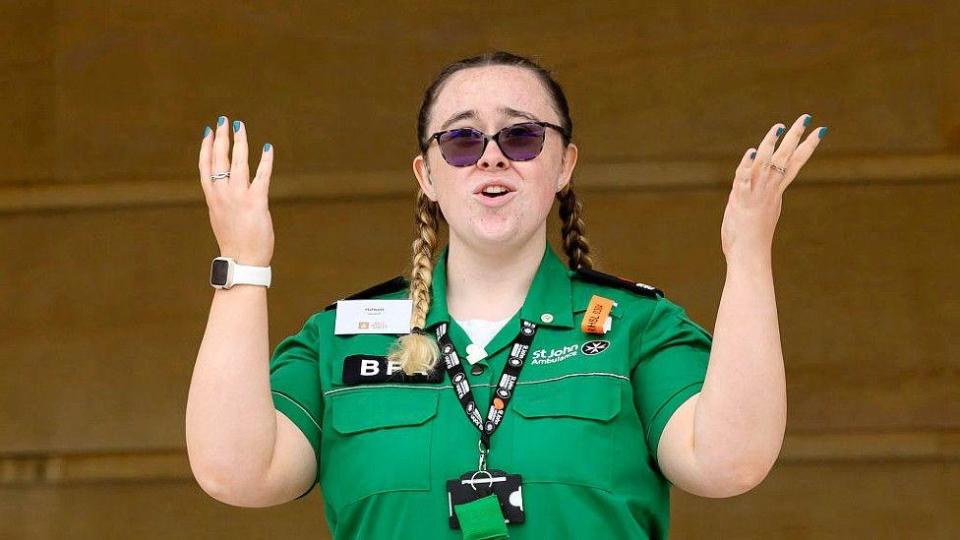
point(594, 347)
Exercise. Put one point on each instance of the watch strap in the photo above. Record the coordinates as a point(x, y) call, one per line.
point(251, 275)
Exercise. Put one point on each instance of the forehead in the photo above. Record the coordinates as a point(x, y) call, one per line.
point(487, 90)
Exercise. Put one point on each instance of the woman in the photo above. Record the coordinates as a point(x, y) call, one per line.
point(582, 392)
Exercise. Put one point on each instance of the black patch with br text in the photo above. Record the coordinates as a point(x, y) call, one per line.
point(373, 369)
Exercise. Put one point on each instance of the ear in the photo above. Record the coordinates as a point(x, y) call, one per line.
point(421, 171)
point(567, 164)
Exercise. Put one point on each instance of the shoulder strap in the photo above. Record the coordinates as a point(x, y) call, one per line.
point(611, 280)
point(389, 286)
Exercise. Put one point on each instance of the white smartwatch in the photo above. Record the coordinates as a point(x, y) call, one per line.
point(225, 273)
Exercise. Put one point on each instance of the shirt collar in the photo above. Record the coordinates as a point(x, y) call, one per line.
point(548, 302)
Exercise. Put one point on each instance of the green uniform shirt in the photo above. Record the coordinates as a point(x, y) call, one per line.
point(582, 429)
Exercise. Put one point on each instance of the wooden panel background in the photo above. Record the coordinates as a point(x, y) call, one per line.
point(107, 239)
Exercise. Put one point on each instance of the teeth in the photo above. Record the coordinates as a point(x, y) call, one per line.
point(495, 189)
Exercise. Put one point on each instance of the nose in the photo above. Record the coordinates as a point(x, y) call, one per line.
point(493, 157)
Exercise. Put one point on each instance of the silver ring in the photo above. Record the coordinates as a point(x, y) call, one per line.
point(781, 170)
point(219, 175)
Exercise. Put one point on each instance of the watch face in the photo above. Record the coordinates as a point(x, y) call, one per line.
point(218, 272)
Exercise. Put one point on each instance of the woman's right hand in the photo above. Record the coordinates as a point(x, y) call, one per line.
point(238, 207)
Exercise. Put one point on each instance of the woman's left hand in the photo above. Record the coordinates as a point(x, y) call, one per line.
point(753, 207)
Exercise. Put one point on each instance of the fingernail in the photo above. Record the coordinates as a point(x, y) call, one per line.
point(236, 126)
point(823, 131)
point(806, 121)
point(780, 131)
point(266, 147)
point(221, 120)
point(753, 154)
point(206, 131)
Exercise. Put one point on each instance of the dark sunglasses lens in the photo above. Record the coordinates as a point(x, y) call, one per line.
point(461, 147)
point(522, 142)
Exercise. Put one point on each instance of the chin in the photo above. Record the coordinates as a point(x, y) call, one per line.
point(496, 231)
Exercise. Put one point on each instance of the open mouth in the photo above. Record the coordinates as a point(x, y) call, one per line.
point(494, 194)
point(494, 191)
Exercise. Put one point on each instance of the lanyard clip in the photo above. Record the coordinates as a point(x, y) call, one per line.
point(482, 465)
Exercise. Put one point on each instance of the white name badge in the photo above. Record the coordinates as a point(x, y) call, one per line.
point(373, 317)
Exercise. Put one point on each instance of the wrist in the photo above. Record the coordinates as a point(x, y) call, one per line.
point(750, 260)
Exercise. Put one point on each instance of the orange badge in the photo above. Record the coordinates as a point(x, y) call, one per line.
point(596, 315)
point(498, 404)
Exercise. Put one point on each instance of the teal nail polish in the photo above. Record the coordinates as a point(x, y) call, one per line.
point(823, 131)
point(236, 126)
point(206, 131)
point(266, 147)
point(221, 120)
point(753, 154)
point(780, 131)
point(806, 121)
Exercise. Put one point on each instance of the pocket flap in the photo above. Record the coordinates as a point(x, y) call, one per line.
point(375, 408)
point(596, 397)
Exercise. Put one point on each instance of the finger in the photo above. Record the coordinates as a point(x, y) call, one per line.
point(239, 165)
point(759, 172)
point(742, 174)
point(802, 154)
point(221, 147)
point(206, 150)
point(262, 181)
point(789, 144)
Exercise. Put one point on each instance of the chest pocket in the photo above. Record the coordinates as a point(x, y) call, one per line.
point(564, 430)
point(380, 442)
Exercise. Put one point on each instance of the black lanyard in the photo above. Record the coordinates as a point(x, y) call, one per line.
point(505, 387)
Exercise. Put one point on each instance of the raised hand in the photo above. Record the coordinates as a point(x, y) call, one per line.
point(238, 207)
point(753, 207)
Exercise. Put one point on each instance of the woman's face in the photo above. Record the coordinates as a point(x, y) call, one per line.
point(498, 96)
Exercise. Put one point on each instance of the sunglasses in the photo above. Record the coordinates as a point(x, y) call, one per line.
point(462, 147)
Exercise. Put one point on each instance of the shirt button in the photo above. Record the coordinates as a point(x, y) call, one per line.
point(547, 318)
point(477, 369)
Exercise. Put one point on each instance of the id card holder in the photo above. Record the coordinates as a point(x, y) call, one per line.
point(476, 485)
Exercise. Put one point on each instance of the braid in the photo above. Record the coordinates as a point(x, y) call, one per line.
point(574, 242)
point(417, 352)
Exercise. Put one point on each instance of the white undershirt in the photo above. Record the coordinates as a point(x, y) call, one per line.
point(480, 333)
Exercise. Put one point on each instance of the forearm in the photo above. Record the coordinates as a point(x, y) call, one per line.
point(741, 413)
point(230, 418)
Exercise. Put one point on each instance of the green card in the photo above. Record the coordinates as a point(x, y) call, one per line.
point(482, 519)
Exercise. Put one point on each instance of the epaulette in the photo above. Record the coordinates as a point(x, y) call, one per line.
point(389, 286)
point(615, 281)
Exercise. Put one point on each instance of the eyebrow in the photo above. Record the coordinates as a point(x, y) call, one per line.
point(506, 111)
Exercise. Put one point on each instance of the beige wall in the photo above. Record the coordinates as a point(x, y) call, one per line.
point(107, 242)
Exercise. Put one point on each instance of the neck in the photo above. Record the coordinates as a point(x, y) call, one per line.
point(492, 283)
